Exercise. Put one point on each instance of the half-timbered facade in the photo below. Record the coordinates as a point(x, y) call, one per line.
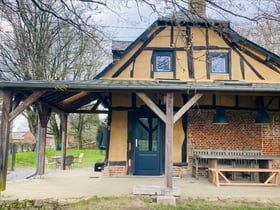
point(189, 51)
point(188, 87)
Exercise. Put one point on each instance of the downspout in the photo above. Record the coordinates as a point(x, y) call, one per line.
point(109, 123)
point(37, 149)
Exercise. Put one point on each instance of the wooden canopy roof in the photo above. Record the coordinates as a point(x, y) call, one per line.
point(78, 96)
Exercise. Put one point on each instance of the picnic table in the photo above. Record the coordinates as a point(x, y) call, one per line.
point(272, 180)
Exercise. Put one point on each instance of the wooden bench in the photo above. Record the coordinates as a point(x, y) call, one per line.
point(219, 172)
point(208, 158)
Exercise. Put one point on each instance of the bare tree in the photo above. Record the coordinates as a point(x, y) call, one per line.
point(250, 18)
point(83, 128)
point(37, 45)
point(251, 10)
point(265, 33)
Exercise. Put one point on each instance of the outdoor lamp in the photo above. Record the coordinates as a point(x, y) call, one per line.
point(263, 118)
point(220, 117)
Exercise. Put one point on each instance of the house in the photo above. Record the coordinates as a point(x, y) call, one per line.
point(188, 89)
point(193, 55)
point(24, 137)
point(24, 141)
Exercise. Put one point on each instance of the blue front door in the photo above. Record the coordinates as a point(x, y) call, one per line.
point(147, 146)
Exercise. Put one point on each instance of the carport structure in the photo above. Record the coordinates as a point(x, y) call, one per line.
point(66, 97)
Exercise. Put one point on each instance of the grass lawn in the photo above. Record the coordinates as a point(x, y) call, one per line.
point(139, 202)
point(28, 159)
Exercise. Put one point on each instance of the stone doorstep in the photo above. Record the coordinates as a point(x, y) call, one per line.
point(154, 190)
point(166, 199)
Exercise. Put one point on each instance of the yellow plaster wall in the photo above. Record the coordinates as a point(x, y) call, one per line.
point(247, 101)
point(235, 66)
point(205, 100)
point(267, 73)
point(126, 73)
point(178, 135)
point(199, 57)
point(162, 39)
point(228, 100)
point(143, 66)
point(163, 75)
point(215, 39)
point(198, 36)
point(179, 37)
point(118, 136)
point(121, 99)
point(181, 66)
point(178, 138)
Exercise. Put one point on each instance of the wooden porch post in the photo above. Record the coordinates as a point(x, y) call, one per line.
point(169, 119)
point(169, 142)
point(4, 137)
point(42, 150)
point(63, 117)
point(44, 115)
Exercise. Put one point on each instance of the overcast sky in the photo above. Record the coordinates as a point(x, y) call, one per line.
point(125, 23)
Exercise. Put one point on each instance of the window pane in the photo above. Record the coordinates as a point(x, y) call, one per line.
point(147, 135)
point(163, 63)
point(218, 65)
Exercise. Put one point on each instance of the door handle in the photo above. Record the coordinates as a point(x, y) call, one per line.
point(136, 142)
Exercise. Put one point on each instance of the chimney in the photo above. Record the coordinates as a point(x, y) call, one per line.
point(197, 7)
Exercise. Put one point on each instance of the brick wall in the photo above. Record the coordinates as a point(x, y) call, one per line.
point(114, 171)
point(180, 170)
point(271, 137)
point(240, 134)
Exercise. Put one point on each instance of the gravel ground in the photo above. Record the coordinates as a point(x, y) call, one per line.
point(22, 174)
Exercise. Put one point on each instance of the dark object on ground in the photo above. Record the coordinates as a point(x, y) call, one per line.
point(99, 166)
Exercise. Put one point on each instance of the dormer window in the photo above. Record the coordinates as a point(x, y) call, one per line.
point(218, 63)
point(163, 61)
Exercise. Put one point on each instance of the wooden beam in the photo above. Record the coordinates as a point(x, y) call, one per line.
point(4, 137)
point(169, 142)
point(63, 118)
point(75, 97)
point(147, 40)
point(152, 106)
point(42, 151)
point(189, 52)
point(44, 113)
point(187, 106)
point(27, 102)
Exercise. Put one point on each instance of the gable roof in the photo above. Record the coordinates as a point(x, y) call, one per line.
point(118, 47)
point(190, 19)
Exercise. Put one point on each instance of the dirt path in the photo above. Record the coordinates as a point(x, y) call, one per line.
point(75, 184)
